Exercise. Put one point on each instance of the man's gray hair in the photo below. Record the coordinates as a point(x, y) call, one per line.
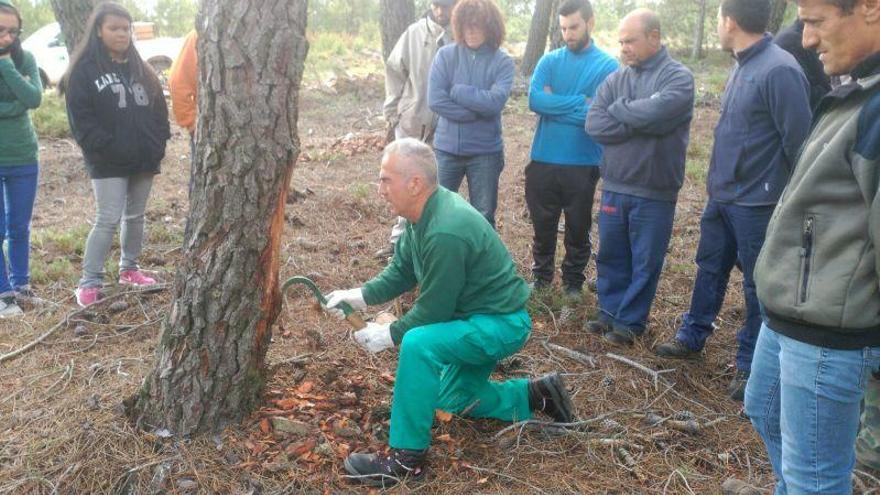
point(415, 157)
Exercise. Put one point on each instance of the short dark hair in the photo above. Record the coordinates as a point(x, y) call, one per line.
point(751, 15)
point(571, 6)
point(845, 6)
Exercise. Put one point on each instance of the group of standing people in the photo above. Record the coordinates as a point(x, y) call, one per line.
point(792, 197)
point(118, 116)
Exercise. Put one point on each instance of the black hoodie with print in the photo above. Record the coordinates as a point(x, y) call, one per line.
point(120, 123)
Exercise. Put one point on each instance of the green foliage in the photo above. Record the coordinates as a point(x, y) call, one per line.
point(34, 14)
point(50, 119)
point(69, 241)
point(57, 270)
point(176, 17)
point(342, 16)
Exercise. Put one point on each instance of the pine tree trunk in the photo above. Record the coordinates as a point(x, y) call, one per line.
point(210, 360)
point(397, 15)
point(555, 31)
point(777, 14)
point(699, 32)
point(72, 16)
point(538, 31)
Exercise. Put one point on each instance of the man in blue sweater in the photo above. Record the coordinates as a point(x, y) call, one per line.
point(563, 171)
point(765, 117)
point(642, 116)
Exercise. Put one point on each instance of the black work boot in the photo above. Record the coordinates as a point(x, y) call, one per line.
point(674, 348)
point(549, 395)
point(385, 470)
point(619, 337)
point(597, 327)
point(737, 387)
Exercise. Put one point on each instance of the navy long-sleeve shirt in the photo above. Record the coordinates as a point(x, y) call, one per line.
point(765, 118)
point(642, 116)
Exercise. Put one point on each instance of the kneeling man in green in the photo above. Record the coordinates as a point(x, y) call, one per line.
point(470, 313)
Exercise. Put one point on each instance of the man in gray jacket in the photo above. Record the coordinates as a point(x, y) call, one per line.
point(642, 115)
point(818, 274)
point(406, 86)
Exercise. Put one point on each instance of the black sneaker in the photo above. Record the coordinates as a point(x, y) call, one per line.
point(676, 349)
point(619, 337)
point(386, 470)
point(539, 284)
point(573, 291)
point(549, 395)
point(737, 387)
point(597, 327)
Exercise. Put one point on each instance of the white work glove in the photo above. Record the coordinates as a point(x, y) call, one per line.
point(354, 298)
point(375, 337)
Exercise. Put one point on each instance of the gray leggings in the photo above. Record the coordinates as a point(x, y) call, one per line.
point(117, 198)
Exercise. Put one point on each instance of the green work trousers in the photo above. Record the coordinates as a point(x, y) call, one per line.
point(447, 366)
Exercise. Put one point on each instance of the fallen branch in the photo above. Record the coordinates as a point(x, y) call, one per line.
point(655, 375)
point(66, 320)
point(571, 354)
point(512, 478)
point(558, 426)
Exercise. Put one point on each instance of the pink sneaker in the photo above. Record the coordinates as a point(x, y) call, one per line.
point(86, 296)
point(135, 277)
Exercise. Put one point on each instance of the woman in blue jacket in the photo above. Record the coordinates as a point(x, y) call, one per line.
point(119, 117)
point(469, 85)
point(20, 91)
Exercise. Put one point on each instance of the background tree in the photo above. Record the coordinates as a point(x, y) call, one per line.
point(396, 15)
point(209, 368)
point(538, 31)
point(175, 17)
point(72, 16)
point(777, 14)
point(699, 31)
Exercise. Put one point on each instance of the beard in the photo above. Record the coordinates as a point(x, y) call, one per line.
point(579, 44)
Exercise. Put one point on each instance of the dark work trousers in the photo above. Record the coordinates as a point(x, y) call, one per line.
point(633, 236)
point(729, 234)
point(550, 191)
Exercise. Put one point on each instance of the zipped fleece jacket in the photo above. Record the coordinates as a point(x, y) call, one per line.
point(642, 116)
point(20, 91)
point(818, 275)
point(458, 262)
point(406, 78)
point(468, 90)
point(765, 118)
point(121, 128)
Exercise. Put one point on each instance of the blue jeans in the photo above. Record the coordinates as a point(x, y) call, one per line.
point(730, 235)
point(633, 236)
point(18, 189)
point(804, 401)
point(482, 173)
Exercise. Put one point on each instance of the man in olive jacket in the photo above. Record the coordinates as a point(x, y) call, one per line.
point(818, 274)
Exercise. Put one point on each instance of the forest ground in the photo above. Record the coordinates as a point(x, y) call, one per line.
point(61, 426)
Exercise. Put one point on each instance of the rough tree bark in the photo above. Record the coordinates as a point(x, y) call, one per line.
point(555, 31)
point(72, 16)
point(777, 14)
point(538, 31)
point(209, 368)
point(397, 15)
point(699, 31)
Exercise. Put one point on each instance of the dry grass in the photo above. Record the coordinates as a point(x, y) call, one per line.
point(61, 428)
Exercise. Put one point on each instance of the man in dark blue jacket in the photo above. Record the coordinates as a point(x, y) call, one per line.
point(641, 115)
point(765, 117)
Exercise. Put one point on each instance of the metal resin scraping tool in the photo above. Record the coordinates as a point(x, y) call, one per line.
point(351, 316)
